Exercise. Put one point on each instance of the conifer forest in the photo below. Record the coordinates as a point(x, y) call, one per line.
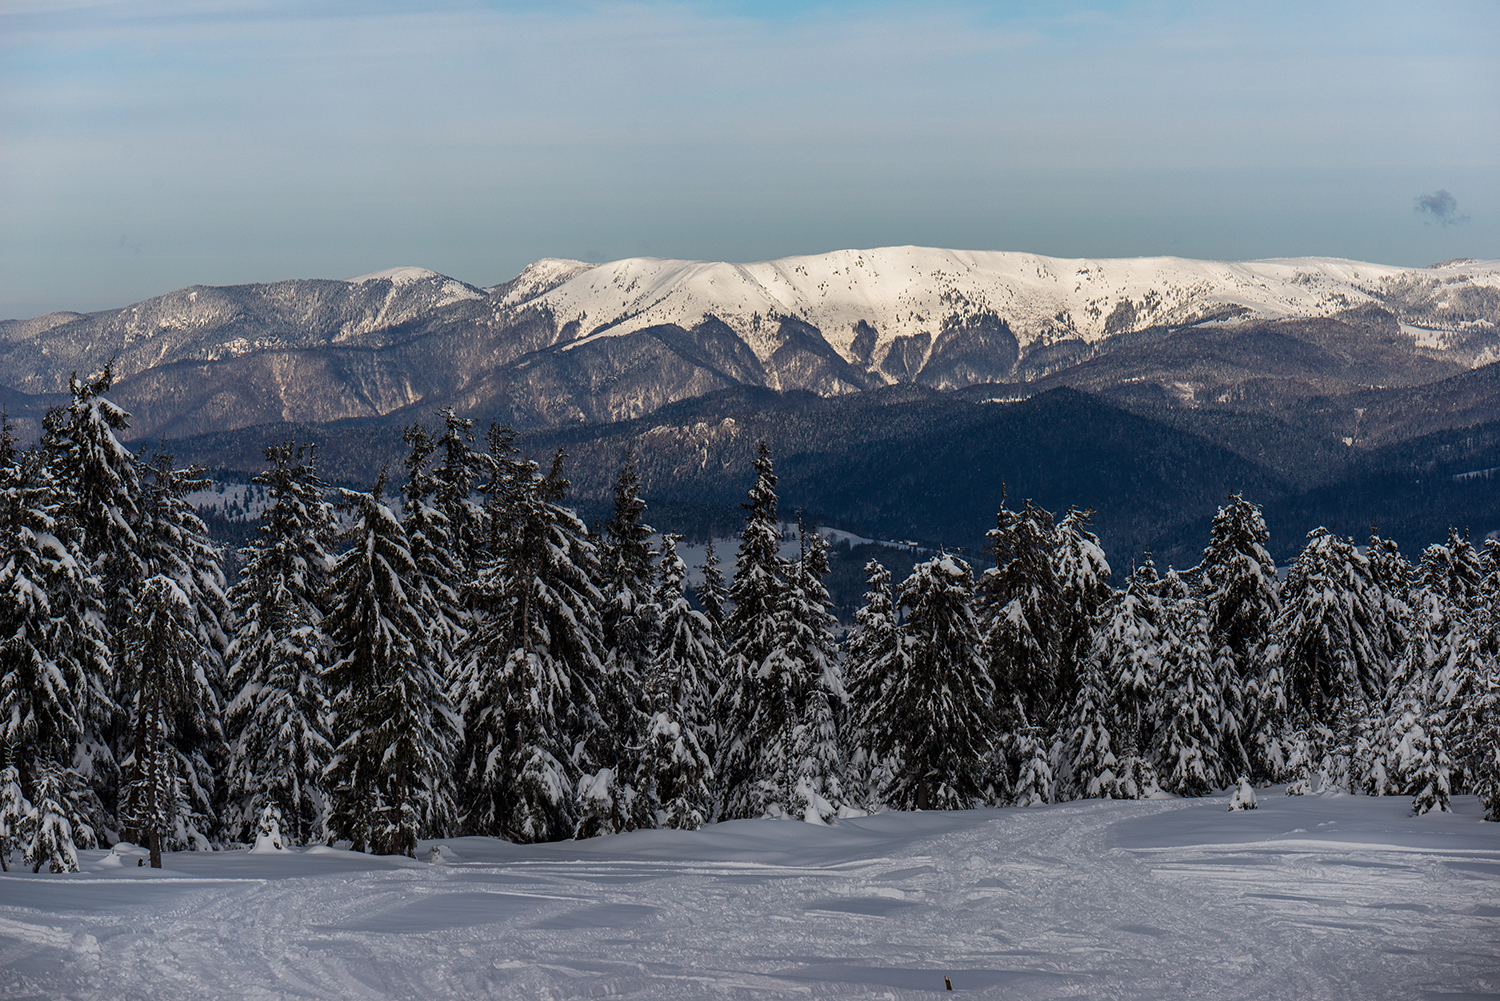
point(455, 652)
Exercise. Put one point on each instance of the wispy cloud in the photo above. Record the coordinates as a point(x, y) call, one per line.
point(1441, 207)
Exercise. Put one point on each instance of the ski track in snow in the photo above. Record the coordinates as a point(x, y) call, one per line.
point(1306, 897)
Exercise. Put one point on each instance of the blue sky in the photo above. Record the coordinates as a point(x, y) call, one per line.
point(148, 146)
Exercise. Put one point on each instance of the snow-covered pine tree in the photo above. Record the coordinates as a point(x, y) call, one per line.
point(1083, 588)
point(1462, 695)
point(527, 684)
point(51, 826)
point(1240, 593)
point(711, 594)
point(748, 714)
point(395, 732)
point(629, 618)
point(15, 812)
point(1187, 734)
point(277, 722)
point(1429, 774)
point(1393, 576)
point(436, 588)
point(1093, 769)
point(1034, 784)
point(676, 770)
point(166, 687)
point(54, 663)
point(1235, 707)
point(1453, 571)
point(459, 470)
point(1410, 693)
point(1331, 628)
point(1127, 658)
point(806, 630)
point(871, 660)
point(97, 486)
point(174, 543)
point(1019, 601)
point(931, 710)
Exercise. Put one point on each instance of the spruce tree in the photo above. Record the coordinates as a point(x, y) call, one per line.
point(1083, 588)
point(932, 713)
point(395, 733)
point(459, 471)
point(1240, 593)
point(15, 814)
point(1019, 601)
point(815, 676)
point(174, 543)
point(97, 485)
point(436, 588)
point(1127, 659)
point(629, 620)
point(527, 687)
point(711, 594)
point(751, 709)
point(677, 775)
point(1093, 769)
point(55, 667)
point(278, 719)
point(1331, 627)
point(872, 658)
point(166, 687)
point(1188, 736)
point(52, 830)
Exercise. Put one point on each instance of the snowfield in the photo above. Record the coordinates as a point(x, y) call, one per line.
point(1305, 897)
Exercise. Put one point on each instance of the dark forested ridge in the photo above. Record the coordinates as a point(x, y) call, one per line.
point(454, 651)
point(907, 462)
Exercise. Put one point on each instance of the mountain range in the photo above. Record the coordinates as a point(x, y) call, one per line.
point(880, 375)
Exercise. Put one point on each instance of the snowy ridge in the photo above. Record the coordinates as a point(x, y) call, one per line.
point(916, 291)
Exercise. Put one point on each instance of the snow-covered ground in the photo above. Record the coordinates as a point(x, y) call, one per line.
point(1306, 897)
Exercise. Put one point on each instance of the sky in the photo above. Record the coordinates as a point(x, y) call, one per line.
point(148, 146)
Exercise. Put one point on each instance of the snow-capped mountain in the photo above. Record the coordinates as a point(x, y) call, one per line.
point(867, 302)
point(566, 341)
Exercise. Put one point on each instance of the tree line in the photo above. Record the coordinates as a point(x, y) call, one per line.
point(472, 659)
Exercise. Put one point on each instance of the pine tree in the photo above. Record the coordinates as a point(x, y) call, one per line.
point(174, 543)
point(529, 676)
point(1430, 770)
point(752, 710)
point(455, 479)
point(166, 687)
point(52, 830)
point(676, 771)
point(395, 732)
point(629, 619)
point(1019, 601)
point(1240, 594)
point(1033, 784)
point(932, 713)
point(817, 753)
point(1331, 627)
point(872, 658)
point(1188, 736)
point(1093, 769)
point(435, 590)
point(278, 720)
point(711, 594)
point(15, 814)
point(97, 485)
point(54, 663)
point(1127, 657)
point(1083, 588)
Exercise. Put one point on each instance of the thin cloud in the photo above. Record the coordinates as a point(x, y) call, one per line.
point(1441, 206)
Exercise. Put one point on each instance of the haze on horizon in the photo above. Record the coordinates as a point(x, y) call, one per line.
point(157, 144)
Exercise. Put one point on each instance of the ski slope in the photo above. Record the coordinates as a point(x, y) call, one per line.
point(1306, 897)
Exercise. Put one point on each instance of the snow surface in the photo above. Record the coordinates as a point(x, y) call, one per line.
point(911, 291)
point(396, 276)
point(1304, 897)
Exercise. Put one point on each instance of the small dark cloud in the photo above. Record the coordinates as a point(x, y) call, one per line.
point(1440, 206)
